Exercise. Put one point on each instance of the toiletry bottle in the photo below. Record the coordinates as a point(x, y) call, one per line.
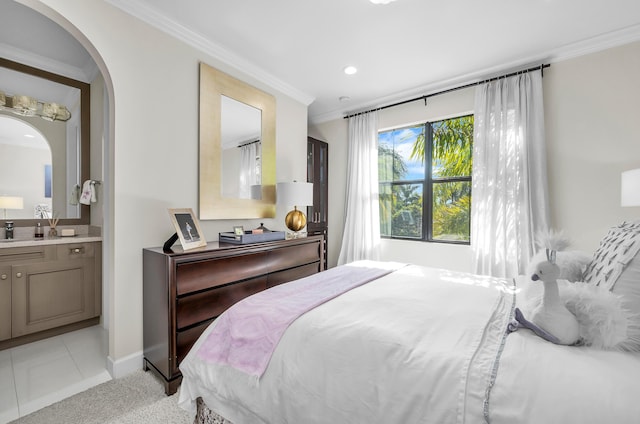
point(39, 231)
point(8, 230)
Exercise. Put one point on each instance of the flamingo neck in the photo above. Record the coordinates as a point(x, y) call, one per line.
point(551, 293)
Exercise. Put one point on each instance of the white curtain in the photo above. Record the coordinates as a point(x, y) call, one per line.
point(509, 175)
point(250, 172)
point(361, 238)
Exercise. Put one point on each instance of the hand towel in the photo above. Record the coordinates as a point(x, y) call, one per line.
point(87, 193)
point(75, 195)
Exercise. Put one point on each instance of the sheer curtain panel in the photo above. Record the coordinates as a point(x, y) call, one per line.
point(361, 238)
point(509, 175)
point(249, 169)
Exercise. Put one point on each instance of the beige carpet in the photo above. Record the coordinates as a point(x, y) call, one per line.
point(136, 398)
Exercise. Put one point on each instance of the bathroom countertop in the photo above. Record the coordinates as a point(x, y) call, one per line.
point(78, 238)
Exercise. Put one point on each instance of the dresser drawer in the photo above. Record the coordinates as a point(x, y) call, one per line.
point(292, 256)
point(184, 291)
point(185, 339)
point(201, 275)
point(211, 303)
point(292, 274)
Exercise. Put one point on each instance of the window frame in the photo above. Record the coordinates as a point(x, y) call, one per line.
point(428, 185)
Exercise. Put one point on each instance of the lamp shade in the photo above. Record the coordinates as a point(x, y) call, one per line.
point(630, 188)
point(295, 194)
point(11, 202)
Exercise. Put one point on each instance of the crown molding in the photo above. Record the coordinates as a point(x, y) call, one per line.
point(570, 51)
point(595, 44)
point(28, 58)
point(146, 14)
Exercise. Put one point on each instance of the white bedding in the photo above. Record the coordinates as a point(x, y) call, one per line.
point(420, 345)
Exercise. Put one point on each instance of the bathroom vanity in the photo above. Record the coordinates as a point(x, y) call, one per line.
point(48, 287)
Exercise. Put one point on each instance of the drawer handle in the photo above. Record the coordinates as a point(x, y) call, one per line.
point(18, 274)
point(3, 277)
point(76, 250)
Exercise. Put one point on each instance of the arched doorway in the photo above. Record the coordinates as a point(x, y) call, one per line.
point(47, 26)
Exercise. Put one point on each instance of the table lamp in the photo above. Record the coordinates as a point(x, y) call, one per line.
point(630, 188)
point(295, 194)
point(10, 202)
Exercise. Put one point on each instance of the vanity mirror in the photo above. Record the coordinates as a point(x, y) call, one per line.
point(237, 148)
point(45, 156)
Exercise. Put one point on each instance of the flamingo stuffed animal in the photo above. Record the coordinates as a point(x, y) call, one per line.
point(551, 319)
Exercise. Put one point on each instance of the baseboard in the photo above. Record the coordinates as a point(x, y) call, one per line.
point(124, 366)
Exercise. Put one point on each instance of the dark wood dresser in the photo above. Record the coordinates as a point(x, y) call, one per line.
point(185, 290)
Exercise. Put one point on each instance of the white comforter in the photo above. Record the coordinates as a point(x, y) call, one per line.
point(420, 345)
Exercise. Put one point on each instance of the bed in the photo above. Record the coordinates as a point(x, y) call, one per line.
point(410, 344)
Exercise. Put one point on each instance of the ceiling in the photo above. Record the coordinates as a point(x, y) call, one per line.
point(403, 49)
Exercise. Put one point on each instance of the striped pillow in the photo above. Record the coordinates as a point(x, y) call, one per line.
point(615, 252)
point(616, 266)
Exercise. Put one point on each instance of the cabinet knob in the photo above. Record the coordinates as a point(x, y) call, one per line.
point(18, 274)
point(3, 277)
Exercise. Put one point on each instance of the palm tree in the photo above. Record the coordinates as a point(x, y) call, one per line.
point(451, 157)
point(452, 141)
point(391, 167)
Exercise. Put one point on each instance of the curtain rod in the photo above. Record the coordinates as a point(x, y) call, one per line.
point(426, 96)
point(248, 143)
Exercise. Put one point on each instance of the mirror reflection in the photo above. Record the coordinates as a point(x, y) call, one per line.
point(241, 169)
point(44, 149)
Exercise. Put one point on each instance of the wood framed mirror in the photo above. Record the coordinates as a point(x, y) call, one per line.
point(68, 143)
point(237, 173)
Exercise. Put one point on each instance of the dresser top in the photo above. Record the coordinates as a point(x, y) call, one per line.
point(216, 246)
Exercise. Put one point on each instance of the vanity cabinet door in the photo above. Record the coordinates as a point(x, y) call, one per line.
point(51, 294)
point(5, 302)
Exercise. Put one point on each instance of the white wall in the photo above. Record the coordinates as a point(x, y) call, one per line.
point(153, 147)
point(592, 108)
point(97, 148)
point(592, 134)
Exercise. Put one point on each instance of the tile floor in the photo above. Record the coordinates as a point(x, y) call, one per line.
point(38, 374)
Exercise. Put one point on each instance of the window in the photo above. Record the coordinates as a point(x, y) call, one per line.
point(424, 199)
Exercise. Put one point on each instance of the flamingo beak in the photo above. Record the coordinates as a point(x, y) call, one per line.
point(535, 277)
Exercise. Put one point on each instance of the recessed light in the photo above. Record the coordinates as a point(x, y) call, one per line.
point(344, 98)
point(350, 70)
point(381, 1)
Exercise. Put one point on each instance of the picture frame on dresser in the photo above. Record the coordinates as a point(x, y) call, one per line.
point(188, 228)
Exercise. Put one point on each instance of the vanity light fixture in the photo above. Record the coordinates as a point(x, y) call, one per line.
point(55, 112)
point(29, 106)
point(24, 105)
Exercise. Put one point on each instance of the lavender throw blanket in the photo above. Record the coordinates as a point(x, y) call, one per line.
point(245, 335)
